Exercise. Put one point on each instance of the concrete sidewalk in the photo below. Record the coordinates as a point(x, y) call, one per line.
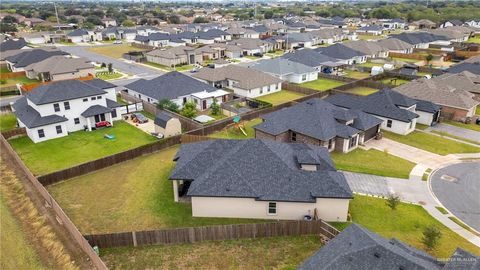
point(419, 156)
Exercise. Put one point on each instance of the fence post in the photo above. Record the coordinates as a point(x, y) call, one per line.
point(134, 238)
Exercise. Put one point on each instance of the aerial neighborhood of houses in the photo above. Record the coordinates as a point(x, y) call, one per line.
point(350, 142)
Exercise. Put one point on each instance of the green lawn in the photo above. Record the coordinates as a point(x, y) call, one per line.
point(356, 74)
point(370, 37)
point(251, 57)
point(432, 143)
point(108, 76)
point(406, 224)
point(280, 97)
point(78, 147)
point(322, 84)
point(373, 162)
point(18, 80)
point(277, 53)
point(8, 121)
point(406, 60)
point(4, 70)
point(475, 39)
point(114, 50)
point(17, 251)
point(362, 91)
point(370, 64)
point(394, 81)
point(477, 110)
point(471, 126)
point(134, 195)
point(233, 133)
point(262, 253)
point(421, 126)
point(166, 68)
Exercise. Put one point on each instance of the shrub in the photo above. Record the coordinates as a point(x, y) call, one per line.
point(3, 81)
point(392, 201)
point(166, 104)
point(215, 107)
point(431, 236)
point(189, 110)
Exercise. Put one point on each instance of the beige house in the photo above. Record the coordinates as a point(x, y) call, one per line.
point(59, 67)
point(167, 125)
point(181, 55)
point(260, 179)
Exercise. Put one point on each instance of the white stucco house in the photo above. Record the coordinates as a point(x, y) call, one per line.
point(261, 179)
point(399, 113)
point(178, 88)
point(286, 70)
point(54, 110)
point(243, 81)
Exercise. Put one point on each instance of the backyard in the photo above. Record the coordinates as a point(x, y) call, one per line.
point(280, 97)
point(78, 147)
point(18, 80)
point(406, 223)
point(8, 121)
point(233, 133)
point(432, 143)
point(266, 253)
point(362, 91)
point(379, 163)
point(114, 50)
point(394, 81)
point(356, 74)
point(475, 39)
point(322, 84)
point(134, 195)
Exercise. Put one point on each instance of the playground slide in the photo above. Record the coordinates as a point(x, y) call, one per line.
point(243, 131)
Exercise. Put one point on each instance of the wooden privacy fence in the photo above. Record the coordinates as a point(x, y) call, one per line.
point(298, 89)
point(212, 233)
point(336, 78)
point(14, 132)
point(75, 234)
point(29, 87)
point(108, 161)
point(407, 55)
point(12, 75)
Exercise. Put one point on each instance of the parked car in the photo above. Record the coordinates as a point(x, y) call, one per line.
point(103, 124)
point(139, 118)
point(258, 54)
point(117, 42)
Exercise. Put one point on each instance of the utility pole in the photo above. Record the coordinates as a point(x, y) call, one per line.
point(56, 14)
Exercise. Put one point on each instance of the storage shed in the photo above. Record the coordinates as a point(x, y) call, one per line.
point(167, 125)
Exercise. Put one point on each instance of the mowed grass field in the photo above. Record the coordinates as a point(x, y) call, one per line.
point(322, 84)
point(265, 253)
point(362, 91)
point(114, 50)
point(280, 97)
point(16, 250)
point(134, 195)
point(432, 143)
point(373, 162)
point(7, 121)
point(78, 147)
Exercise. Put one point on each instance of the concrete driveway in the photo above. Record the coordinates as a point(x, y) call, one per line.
point(126, 67)
point(457, 187)
point(457, 131)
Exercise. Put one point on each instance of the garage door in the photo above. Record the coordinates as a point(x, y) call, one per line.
point(370, 133)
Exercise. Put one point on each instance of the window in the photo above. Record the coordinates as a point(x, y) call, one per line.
point(56, 107)
point(66, 104)
point(389, 123)
point(411, 125)
point(261, 91)
point(353, 141)
point(294, 136)
point(304, 77)
point(99, 97)
point(330, 144)
point(76, 121)
point(272, 208)
point(93, 98)
point(41, 133)
point(85, 99)
point(59, 129)
point(114, 113)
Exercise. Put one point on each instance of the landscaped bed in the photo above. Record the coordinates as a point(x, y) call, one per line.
point(179, 68)
point(280, 97)
point(322, 84)
point(234, 133)
point(78, 147)
point(261, 253)
point(432, 143)
point(7, 121)
point(373, 162)
point(134, 195)
point(108, 75)
point(362, 91)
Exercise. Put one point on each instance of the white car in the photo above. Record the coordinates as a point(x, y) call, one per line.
point(117, 42)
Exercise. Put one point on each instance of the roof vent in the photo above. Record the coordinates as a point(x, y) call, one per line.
point(376, 254)
point(401, 267)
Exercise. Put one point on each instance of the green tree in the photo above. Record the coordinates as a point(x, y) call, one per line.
point(128, 23)
point(200, 20)
point(166, 104)
point(431, 236)
point(429, 58)
point(392, 201)
point(215, 107)
point(189, 110)
point(9, 19)
point(174, 19)
point(268, 14)
point(110, 67)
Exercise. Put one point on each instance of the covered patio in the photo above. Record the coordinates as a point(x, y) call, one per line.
point(95, 114)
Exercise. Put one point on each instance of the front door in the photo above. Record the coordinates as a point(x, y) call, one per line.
point(204, 104)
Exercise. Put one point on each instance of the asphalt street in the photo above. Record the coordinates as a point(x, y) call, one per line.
point(458, 189)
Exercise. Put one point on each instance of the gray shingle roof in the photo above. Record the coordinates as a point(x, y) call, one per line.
point(339, 51)
point(95, 110)
point(62, 90)
point(280, 66)
point(317, 119)
point(162, 118)
point(462, 260)
point(309, 57)
point(383, 103)
point(260, 169)
point(169, 86)
point(31, 118)
point(358, 248)
point(99, 83)
point(32, 56)
point(112, 104)
point(12, 44)
point(470, 67)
